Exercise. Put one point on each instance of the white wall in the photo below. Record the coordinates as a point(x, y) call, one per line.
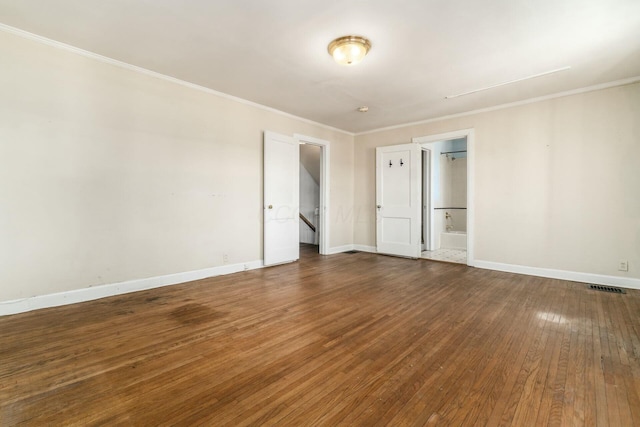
point(309, 201)
point(458, 182)
point(109, 175)
point(556, 181)
point(453, 189)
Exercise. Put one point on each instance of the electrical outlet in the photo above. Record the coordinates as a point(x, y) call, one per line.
point(623, 265)
point(225, 258)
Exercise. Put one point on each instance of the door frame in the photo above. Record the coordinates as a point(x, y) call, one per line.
point(325, 146)
point(426, 141)
point(427, 179)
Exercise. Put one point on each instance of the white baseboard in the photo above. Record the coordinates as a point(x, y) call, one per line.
point(339, 249)
point(365, 248)
point(346, 248)
point(574, 276)
point(92, 293)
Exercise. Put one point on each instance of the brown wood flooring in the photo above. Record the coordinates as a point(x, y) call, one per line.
point(347, 339)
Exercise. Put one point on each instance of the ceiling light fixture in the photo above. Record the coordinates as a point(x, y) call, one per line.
point(363, 109)
point(349, 50)
point(509, 82)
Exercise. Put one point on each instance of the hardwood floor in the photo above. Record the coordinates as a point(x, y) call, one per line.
point(348, 339)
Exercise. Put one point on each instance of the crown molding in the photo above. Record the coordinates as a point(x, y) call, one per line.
point(141, 70)
point(578, 91)
point(135, 68)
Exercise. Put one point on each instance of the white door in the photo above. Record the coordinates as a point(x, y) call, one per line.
point(281, 183)
point(398, 200)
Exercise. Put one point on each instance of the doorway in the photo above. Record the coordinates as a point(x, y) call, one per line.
point(281, 179)
point(314, 194)
point(309, 215)
point(447, 196)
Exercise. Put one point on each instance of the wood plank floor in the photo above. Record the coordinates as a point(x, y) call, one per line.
point(348, 339)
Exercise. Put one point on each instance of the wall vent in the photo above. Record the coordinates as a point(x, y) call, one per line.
point(607, 289)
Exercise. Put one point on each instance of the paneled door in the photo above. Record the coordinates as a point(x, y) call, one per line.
point(398, 200)
point(281, 198)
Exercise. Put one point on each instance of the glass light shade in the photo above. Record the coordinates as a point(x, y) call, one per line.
point(349, 50)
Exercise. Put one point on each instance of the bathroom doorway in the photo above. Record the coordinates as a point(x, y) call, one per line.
point(446, 197)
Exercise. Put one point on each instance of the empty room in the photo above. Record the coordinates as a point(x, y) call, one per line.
point(305, 213)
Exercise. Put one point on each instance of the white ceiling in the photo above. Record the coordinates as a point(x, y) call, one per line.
point(275, 52)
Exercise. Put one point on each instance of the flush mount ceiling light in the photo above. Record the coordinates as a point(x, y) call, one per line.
point(349, 50)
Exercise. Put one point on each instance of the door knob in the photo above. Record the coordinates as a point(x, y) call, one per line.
point(270, 206)
point(379, 206)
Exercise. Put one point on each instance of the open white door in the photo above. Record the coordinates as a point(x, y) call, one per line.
point(398, 200)
point(281, 184)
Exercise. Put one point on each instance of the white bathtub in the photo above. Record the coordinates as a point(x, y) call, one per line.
point(453, 240)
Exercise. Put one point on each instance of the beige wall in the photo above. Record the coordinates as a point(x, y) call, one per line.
point(557, 182)
point(109, 175)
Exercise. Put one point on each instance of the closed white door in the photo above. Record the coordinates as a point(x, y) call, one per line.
point(281, 184)
point(398, 200)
